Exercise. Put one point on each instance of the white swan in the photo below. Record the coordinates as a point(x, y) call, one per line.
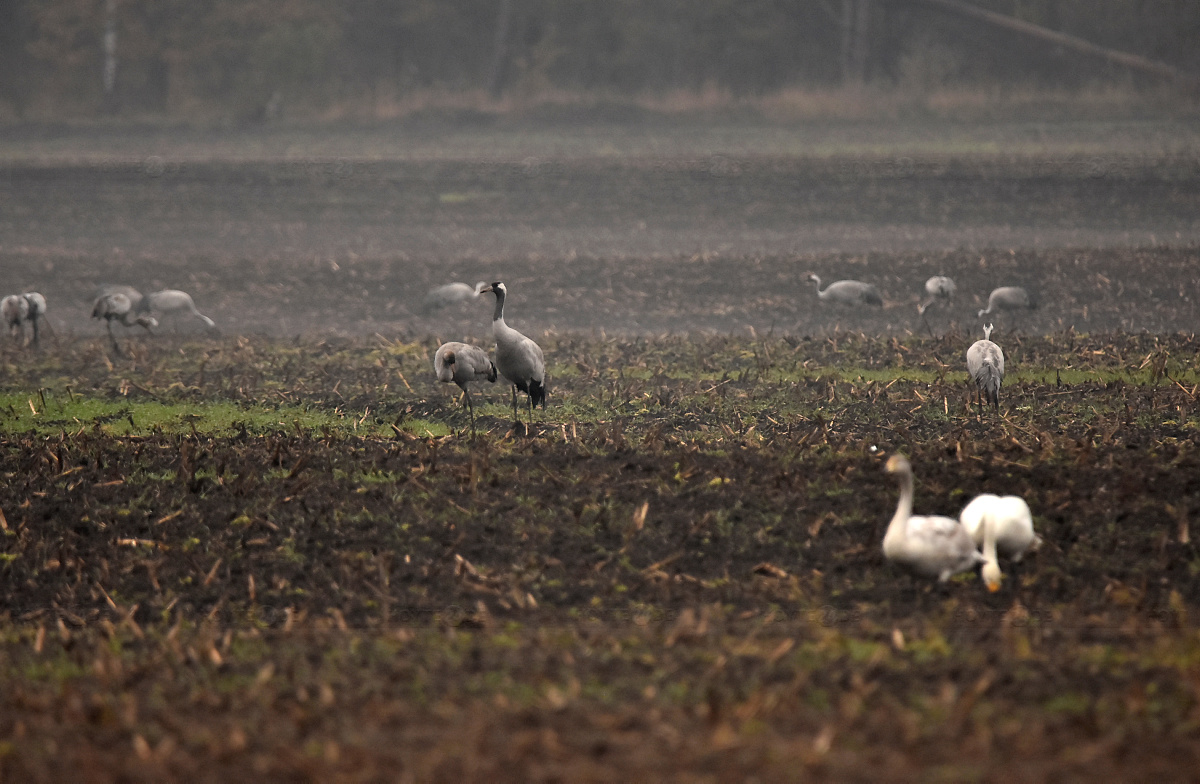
point(1012, 528)
point(928, 545)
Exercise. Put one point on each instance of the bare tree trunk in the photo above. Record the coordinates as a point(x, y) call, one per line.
point(499, 70)
point(1136, 62)
point(856, 41)
point(109, 74)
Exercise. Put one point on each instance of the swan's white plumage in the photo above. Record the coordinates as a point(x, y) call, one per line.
point(1013, 523)
point(932, 546)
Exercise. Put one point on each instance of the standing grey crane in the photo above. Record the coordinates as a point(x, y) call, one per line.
point(14, 309)
point(37, 309)
point(171, 302)
point(117, 307)
point(847, 292)
point(462, 364)
point(1008, 298)
point(518, 358)
point(451, 294)
point(985, 365)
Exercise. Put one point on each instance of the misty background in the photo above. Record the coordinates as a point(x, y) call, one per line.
point(258, 60)
point(640, 167)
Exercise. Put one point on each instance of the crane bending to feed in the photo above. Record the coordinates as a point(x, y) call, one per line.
point(37, 309)
point(518, 358)
point(1008, 298)
point(931, 546)
point(939, 287)
point(117, 307)
point(135, 296)
point(14, 309)
point(985, 365)
point(169, 302)
point(847, 292)
point(462, 364)
point(450, 294)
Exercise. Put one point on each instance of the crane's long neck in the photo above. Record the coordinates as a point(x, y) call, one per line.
point(498, 314)
point(894, 539)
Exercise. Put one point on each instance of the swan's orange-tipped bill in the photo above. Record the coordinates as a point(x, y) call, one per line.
point(993, 587)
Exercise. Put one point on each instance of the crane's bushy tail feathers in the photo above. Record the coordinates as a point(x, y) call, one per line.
point(989, 382)
point(537, 393)
point(491, 376)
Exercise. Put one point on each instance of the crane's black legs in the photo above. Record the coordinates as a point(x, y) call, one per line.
point(470, 408)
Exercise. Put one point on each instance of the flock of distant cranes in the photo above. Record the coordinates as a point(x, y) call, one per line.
point(927, 545)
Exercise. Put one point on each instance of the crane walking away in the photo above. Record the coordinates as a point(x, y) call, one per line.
point(451, 294)
point(847, 292)
point(518, 358)
point(170, 302)
point(1008, 298)
point(931, 546)
point(117, 307)
point(462, 364)
point(14, 309)
point(985, 365)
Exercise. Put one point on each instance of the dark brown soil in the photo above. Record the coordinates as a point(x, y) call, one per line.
point(284, 603)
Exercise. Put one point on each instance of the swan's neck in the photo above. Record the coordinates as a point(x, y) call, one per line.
point(989, 537)
point(896, 536)
point(817, 282)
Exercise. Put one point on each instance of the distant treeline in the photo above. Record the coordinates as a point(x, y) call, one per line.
point(255, 57)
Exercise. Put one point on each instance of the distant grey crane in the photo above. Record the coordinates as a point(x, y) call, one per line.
point(985, 365)
point(518, 358)
point(462, 364)
point(170, 302)
point(847, 292)
point(1008, 298)
point(450, 294)
point(135, 296)
point(117, 307)
point(939, 287)
point(37, 309)
point(14, 309)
